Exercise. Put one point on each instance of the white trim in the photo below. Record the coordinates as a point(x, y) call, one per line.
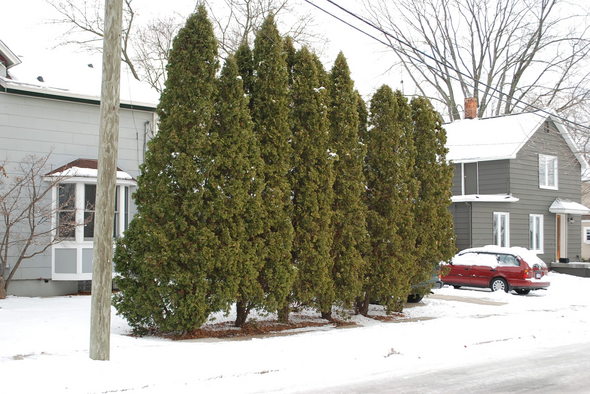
point(485, 198)
point(463, 179)
point(537, 229)
point(585, 233)
point(544, 161)
point(497, 237)
point(79, 243)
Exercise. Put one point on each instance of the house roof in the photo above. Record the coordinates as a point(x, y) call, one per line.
point(499, 138)
point(85, 168)
point(571, 207)
point(9, 56)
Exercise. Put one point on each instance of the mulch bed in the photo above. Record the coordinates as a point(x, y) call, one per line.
point(256, 328)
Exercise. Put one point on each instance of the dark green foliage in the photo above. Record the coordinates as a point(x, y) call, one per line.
point(270, 113)
point(434, 222)
point(237, 206)
point(245, 64)
point(311, 180)
point(171, 274)
point(290, 57)
point(349, 210)
point(391, 193)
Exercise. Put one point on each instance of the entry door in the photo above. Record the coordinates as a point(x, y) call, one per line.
point(561, 235)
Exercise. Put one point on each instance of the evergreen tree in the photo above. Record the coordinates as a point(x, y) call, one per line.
point(245, 64)
point(434, 222)
point(391, 193)
point(311, 180)
point(238, 203)
point(349, 211)
point(290, 57)
point(168, 261)
point(270, 114)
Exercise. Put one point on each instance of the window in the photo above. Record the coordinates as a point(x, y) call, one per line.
point(536, 233)
point(547, 172)
point(586, 235)
point(66, 211)
point(507, 260)
point(501, 229)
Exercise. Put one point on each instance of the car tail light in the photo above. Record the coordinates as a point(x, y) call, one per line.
point(525, 274)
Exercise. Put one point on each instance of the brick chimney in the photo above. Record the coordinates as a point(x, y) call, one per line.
point(470, 108)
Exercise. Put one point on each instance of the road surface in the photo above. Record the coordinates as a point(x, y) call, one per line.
point(559, 370)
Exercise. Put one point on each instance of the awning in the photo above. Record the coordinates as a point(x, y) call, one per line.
point(484, 198)
point(571, 207)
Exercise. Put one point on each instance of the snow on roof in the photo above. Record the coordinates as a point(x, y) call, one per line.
point(571, 207)
point(85, 168)
point(491, 138)
point(485, 198)
point(54, 72)
point(501, 137)
point(8, 55)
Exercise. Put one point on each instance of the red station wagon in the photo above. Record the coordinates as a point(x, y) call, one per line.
point(498, 268)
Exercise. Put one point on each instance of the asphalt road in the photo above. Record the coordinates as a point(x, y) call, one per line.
point(560, 370)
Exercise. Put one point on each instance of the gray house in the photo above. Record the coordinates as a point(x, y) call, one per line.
point(517, 182)
point(43, 121)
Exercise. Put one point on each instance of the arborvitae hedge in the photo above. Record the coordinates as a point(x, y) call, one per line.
point(349, 210)
point(433, 220)
point(311, 181)
point(390, 195)
point(238, 220)
point(168, 261)
point(270, 114)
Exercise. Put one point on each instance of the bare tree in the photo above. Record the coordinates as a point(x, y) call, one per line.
point(503, 52)
point(145, 47)
point(85, 26)
point(237, 21)
point(26, 212)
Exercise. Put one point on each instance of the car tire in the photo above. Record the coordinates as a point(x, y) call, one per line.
point(414, 298)
point(456, 286)
point(499, 284)
point(523, 291)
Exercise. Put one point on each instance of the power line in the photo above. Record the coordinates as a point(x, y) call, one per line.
point(443, 63)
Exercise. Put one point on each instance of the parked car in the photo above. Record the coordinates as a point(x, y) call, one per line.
point(498, 268)
point(420, 289)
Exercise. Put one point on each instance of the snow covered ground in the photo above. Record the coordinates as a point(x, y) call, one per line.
point(44, 345)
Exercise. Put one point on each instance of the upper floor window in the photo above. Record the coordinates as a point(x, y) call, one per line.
point(547, 172)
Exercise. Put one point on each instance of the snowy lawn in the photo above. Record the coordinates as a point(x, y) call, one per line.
point(44, 345)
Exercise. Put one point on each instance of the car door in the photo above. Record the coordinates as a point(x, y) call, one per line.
point(461, 269)
point(485, 269)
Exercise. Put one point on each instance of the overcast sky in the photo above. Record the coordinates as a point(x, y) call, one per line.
point(27, 30)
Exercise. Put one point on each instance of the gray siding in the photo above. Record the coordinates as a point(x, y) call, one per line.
point(494, 177)
point(462, 224)
point(69, 130)
point(470, 178)
point(524, 184)
point(524, 173)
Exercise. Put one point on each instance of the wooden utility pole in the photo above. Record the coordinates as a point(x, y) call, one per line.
point(100, 315)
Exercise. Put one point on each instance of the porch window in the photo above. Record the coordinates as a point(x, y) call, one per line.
point(501, 229)
point(536, 233)
point(587, 235)
point(548, 172)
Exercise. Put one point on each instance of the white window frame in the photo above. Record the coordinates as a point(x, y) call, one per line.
point(79, 243)
point(496, 233)
point(544, 178)
point(536, 233)
point(586, 235)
